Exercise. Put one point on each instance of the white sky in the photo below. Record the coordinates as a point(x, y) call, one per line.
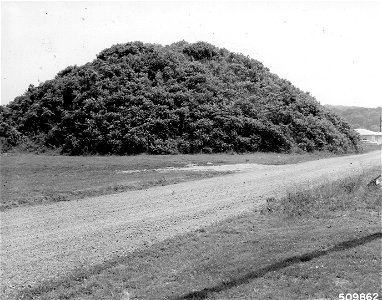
point(331, 49)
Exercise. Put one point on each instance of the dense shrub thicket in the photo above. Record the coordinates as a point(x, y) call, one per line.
point(181, 98)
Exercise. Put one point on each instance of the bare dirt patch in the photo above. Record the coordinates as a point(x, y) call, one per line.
point(197, 168)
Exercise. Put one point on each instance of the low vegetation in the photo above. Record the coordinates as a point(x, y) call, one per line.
point(368, 147)
point(28, 179)
point(351, 192)
point(314, 243)
point(182, 98)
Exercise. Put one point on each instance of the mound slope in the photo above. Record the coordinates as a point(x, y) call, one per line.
point(180, 98)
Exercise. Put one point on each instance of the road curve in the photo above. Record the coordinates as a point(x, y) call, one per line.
point(48, 241)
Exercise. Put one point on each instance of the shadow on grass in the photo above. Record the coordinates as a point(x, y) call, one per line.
point(203, 294)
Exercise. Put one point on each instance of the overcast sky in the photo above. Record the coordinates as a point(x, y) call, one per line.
point(331, 49)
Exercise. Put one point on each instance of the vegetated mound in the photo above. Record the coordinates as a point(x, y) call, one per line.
point(359, 117)
point(181, 98)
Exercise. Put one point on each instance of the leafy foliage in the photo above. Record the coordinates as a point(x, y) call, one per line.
point(185, 98)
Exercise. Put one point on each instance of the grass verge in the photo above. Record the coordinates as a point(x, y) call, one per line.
point(311, 244)
point(368, 147)
point(28, 179)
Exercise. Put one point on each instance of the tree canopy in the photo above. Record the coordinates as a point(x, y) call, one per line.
point(180, 98)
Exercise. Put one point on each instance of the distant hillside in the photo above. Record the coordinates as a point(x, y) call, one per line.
point(181, 98)
point(359, 117)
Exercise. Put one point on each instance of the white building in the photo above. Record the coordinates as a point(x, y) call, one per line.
point(370, 136)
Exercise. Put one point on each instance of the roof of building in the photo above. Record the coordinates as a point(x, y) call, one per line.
point(362, 131)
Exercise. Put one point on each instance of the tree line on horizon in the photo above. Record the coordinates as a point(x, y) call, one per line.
point(359, 117)
point(181, 98)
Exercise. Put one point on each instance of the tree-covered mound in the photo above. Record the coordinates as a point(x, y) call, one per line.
point(181, 98)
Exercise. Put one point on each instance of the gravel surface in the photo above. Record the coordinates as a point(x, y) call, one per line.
point(48, 241)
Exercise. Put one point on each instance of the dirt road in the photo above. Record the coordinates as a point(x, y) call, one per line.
point(48, 241)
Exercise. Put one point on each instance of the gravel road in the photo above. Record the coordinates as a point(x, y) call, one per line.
point(48, 241)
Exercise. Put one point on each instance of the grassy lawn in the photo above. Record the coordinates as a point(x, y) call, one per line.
point(28, 179)
point(367, 147)
point(330, 243)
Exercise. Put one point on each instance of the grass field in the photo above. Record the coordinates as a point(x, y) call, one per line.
point(28, 179)
point(330, 243)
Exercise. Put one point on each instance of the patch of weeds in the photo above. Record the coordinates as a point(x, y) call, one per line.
point(56, 197)
point(118, 188)
point(162, 181)
point(351, 193)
